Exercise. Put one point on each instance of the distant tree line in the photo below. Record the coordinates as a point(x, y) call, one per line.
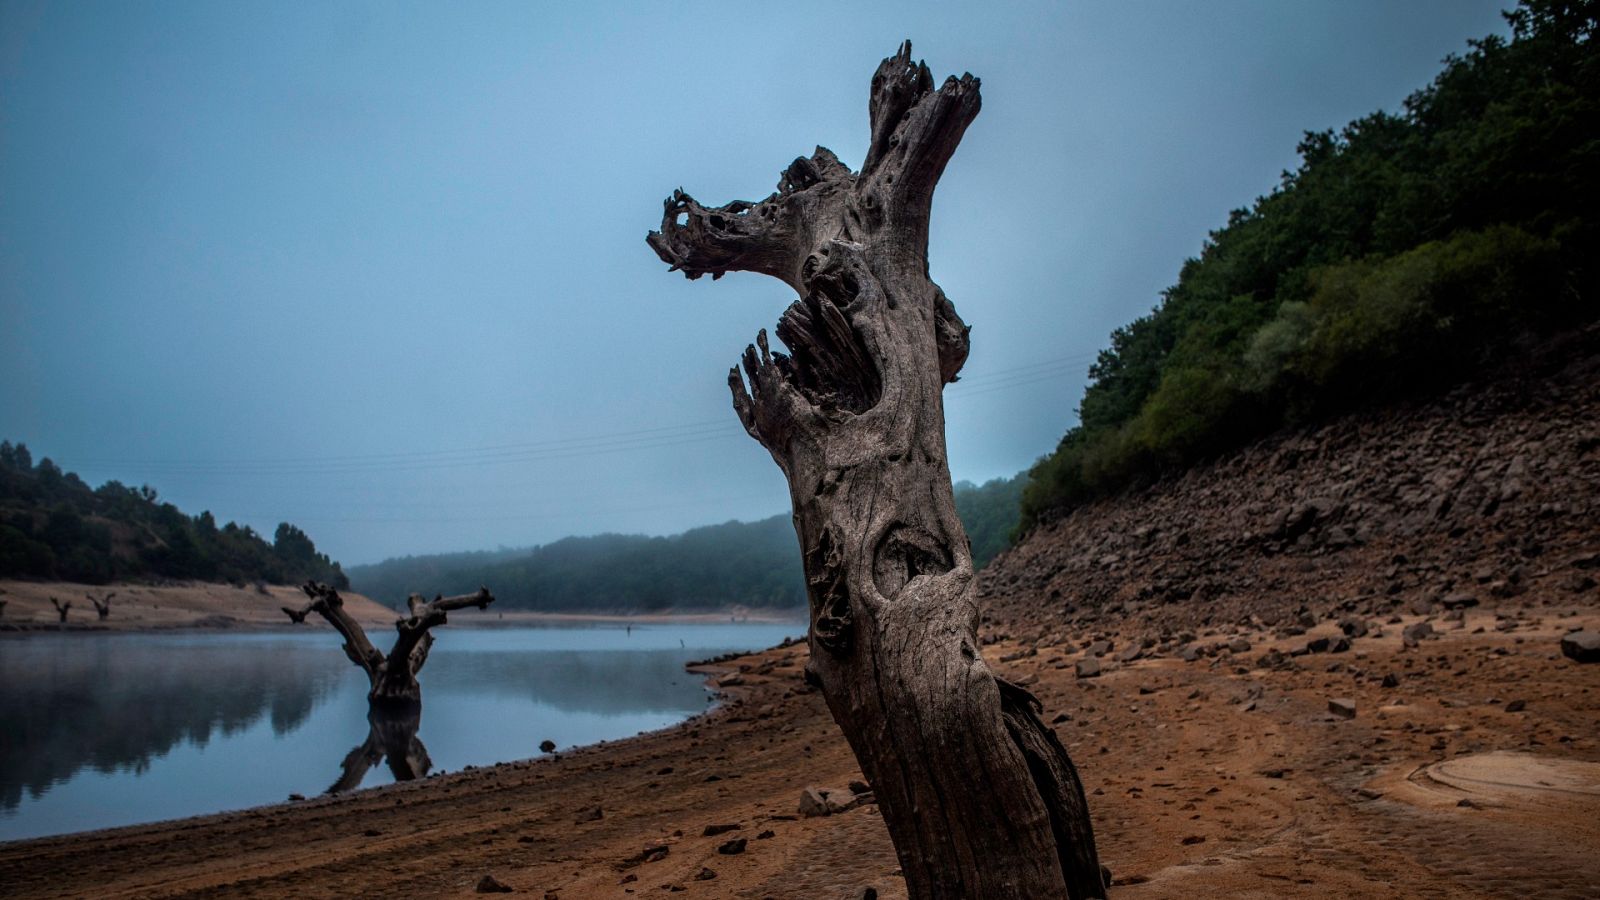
point(753, 564)
point(54, 526)
point(1404, 252)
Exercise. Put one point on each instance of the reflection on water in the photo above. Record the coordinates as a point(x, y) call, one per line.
point(107, 729)
point(391, 735)
point(114, 703)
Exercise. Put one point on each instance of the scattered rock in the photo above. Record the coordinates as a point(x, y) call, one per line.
point(730, 680)
point(1391, 680)
point(547, 746)
point(826, 802)
point(489, 884)
point(714, 830)
point(705, 875)
point(1581, 646)
point(1459, 601)
point(1342, 707)
point(1516, 706)
point(1416, 633)
point(733, 847)
point(1089, 668)
point(588, 814)
point(1353, 627)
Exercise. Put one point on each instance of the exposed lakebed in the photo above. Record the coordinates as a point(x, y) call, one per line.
point(117, 729)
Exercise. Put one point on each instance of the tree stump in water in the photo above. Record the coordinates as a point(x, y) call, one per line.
point(978, 793)
point(393, 677)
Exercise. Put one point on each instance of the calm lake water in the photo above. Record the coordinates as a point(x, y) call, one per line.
point(117, 729)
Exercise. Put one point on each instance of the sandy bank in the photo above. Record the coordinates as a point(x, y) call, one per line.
point(141, 607)
point(1216, 777)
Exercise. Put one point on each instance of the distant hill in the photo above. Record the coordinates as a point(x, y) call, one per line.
point(753, 564)
point(54, 526)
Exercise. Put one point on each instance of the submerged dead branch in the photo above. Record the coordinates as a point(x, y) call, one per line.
point(393, 676)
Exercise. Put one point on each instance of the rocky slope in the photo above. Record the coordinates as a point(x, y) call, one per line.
point(1490, 492)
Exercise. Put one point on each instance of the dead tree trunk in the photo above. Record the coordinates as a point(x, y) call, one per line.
point(393, 676)
point(61, 608)
point(979, 795)
point(102, 605)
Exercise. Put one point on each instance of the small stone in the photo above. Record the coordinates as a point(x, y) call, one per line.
point(295, 797)
point(714, 830)
point(705, 875)
point(1414, 634)
point(489, 884)
point(1353, 628)
point(1459, 601)
point(547, 746)
point(1581, 646)
point(1318, 645)
point(1192, 840)
point(730, 680)
point(1239, 645)
point(1099, 648)
point(1516, 706)
point(1342, 707)
point(1391, 680)
point(588, 814)
point(766, 835)
point(1089, 668)
point(813, 802)
point(733, 847)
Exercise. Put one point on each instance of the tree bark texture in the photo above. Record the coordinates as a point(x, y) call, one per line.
point(393, 676)
point(978, 793)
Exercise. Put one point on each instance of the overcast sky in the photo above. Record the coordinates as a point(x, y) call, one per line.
point(379, 269)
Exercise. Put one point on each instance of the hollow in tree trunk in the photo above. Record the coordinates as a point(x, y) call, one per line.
point(978, 793)
point(393, 676)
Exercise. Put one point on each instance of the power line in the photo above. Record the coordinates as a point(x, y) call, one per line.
point(606, 443)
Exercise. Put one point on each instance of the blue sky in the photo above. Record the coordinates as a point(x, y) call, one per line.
point(379, 268)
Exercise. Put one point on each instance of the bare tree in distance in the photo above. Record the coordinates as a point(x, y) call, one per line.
point(61, 608)
point(102, 605)
point(393, 676)
point(978, 793)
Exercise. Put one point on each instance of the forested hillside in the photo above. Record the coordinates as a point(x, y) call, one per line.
point(1405, 252)
point(54, 526)
point(754, 564)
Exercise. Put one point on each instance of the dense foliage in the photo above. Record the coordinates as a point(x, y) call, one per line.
point(752, 564)
point(1405, 251)
point(989, 513)
point(54, 526)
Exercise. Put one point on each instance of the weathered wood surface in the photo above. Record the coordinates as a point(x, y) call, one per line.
point(393, 676)
point(978, 794)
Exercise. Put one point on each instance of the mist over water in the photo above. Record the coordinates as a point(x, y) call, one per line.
point(117, 729)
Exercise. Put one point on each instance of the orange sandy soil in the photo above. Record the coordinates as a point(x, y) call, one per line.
point(1206, 779)
point(139, 607)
